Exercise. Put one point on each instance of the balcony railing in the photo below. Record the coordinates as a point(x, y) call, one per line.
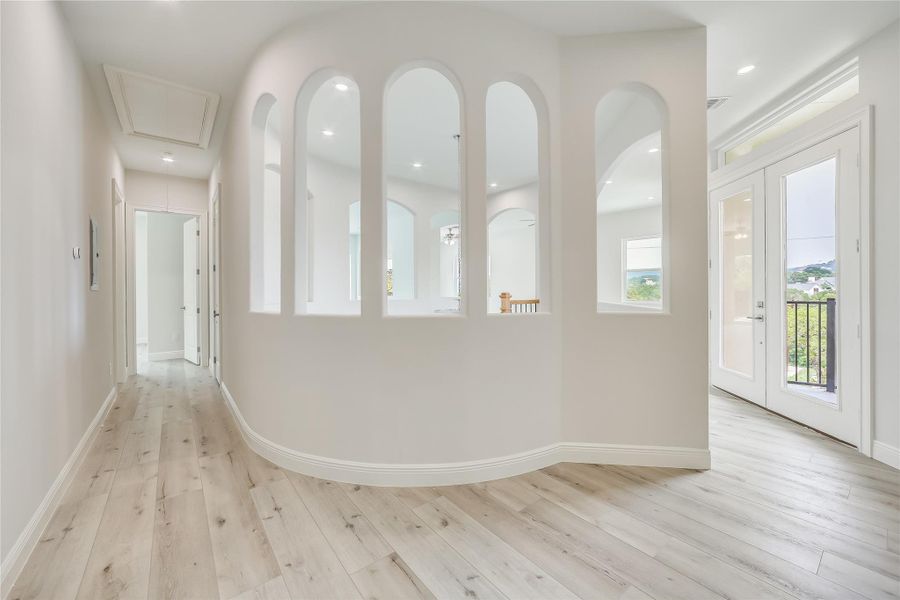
point(811, 349)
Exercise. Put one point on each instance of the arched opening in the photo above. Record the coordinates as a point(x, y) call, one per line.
point(513, 194)
point(421, 170)
point(265, 207)
point(329, 160)
point(631, 201)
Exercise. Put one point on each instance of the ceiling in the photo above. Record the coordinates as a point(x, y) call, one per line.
point(208, 45)
point(635, 179)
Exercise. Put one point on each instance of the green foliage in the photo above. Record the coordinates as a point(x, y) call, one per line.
point(807, 346)
point(644, 287)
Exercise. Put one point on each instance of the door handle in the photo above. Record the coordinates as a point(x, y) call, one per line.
point(183, 308)
point(216, 314)
point(756, 318)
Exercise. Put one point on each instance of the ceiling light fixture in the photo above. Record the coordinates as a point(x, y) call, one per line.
point(417, 165)
point(650, 198)
point(327, 132)
point(608, 181)
point(652, 150)
point(493, 184)
point(341, 87)
point(167, 157)
point(746, 69)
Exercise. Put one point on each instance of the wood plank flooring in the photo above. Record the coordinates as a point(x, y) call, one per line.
point(170, 503)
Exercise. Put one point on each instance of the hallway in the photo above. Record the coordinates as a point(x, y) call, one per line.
point(170, 503)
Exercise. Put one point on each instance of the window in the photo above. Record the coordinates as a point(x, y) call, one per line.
point(328, 160)
point(421, 171)
point(512, 194)
point(642, 281)
point(631, 197)
point(825, 94)
point(265, 207)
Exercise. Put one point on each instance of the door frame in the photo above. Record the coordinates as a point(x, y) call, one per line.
point(806, 136)
point(215, 284)
point(120, 335)
point(130, 312)
point(197, 278)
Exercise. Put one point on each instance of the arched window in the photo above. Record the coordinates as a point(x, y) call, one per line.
point(421, 171)
point(328, 161)
point(513, 194)
point(631, 201)
point(400, 264)
point(265, 207)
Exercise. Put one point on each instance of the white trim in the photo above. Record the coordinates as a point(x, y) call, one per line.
point(825, 126)
point(20, 552)
point(169, 355)
point(808, 95)
point(889, 455)
point(430, 474)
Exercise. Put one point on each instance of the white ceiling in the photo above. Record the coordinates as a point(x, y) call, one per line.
point(207, 45)
point(636, 178)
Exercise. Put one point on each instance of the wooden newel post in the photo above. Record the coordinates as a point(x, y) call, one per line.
point(505, 297)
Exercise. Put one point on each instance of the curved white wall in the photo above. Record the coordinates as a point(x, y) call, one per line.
point(425, 399)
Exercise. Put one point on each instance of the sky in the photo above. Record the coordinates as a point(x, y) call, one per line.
point(810, 214)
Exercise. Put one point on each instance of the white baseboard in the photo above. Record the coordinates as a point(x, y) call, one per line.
point(415, 475)
point(886, 453)
point(28, 539)
point(170, 355)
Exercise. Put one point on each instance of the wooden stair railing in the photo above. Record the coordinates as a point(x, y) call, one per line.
point(508, 305)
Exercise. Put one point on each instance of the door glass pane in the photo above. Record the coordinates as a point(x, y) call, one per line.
point(736, 247)
point(810, 275)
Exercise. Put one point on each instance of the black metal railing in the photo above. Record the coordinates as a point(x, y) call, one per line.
point(811, 351)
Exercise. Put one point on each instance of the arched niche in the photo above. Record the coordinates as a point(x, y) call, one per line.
point(631, 200)
point(422, 127)
point(513, 171)
point(265, 206)
point(328, 167)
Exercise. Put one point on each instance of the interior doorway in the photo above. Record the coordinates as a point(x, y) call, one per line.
point(785, 280)
point(167, 287)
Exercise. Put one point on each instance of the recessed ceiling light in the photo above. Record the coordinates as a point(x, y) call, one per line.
point(493, 184)
point(341, 87)
point(608, 181)
point(417, 165)
point(650, 198)
point(746, 69)
point(167, 157)
point(327, 132)
point(652, 150)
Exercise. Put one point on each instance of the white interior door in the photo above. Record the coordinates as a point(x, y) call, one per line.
point(813, 287)
point(737, 288)
point(217, 315)
point(191, 303)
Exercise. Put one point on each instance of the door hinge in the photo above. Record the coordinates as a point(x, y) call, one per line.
point(198, 349)
point(857, 245)
point(214, 268)
point(198, 233)
point(198, 310)
point(215, 359)
point(710, 315)
point(198, 271)
point(710, 263)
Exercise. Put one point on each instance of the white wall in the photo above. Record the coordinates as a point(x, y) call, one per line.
point(612, 228)
point(165, 283)
point(636, 378)
point(478, 386)
point(160, 193)
point(57, 343)
point(140, 278)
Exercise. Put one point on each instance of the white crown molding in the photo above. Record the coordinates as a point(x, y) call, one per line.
point(889, 455)
point(20, 552)
point(115, 78)
point(431, 474)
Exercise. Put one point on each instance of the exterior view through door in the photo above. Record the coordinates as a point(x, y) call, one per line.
point(785, 281)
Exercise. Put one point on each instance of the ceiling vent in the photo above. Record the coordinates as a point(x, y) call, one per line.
point(716, 101)
point(153, 108)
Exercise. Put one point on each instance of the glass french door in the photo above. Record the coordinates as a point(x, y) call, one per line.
point(785, 287)
point(813, 287)
point(737, 288)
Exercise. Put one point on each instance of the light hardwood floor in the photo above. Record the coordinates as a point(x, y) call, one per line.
point(170, 503)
